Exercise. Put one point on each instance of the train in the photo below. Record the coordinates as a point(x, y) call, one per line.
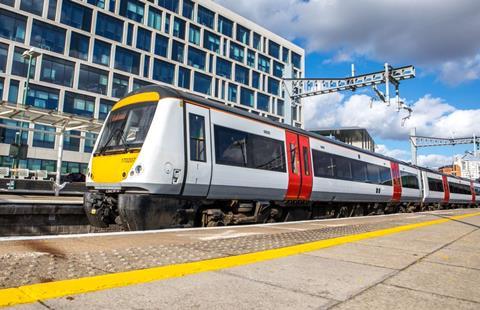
point(168, 158)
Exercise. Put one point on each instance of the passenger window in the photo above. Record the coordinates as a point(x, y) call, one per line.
point(197, 138)
point(306, 164)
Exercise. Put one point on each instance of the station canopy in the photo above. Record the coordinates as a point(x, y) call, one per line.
point(61, 120)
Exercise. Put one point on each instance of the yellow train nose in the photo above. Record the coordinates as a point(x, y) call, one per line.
point(112, 168)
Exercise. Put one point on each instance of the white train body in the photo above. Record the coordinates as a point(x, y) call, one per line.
point(166, 152)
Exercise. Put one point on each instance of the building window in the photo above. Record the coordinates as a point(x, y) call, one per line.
point(163, 71)
point(232, 92)
point(224, 68)
point(225, 26)
point(211, 41)
point(119, 85)
point(154, 18)
point(171, 5)
point(251, 58)
point(109, 27)
point(187, 10)
point(280, 107)
point(44, 137)
point(79, 104)
point(20, 64)
point(12, 26)
point(8, 2)
point(242, 74)
point(237, 52)
point(101, 53)
point(7, 136)
point(104, 108)
point(48, 37)
point(246, 97)
point(32, 6)
point(161, 45)
point(129, 33)
point(79, 46)
point(146, 66)
point(184, 77)
point(167, 23)
point(273, 86)
point(194, 34)
point(76, 15)
point(263, 102)
point(93, 80)
point(264, 64)
point(132, 9)
point(296, 60)
point(179, 28)
point(178, 51)
point(1, 87)
point(90, 139)
point(57, 71)
point(126, 60)
point(285, 52)
point(196, 58)
point(205, 17)
point(71, 142)
point(256, 80)
point(277, 69)
point(42, 97)
point(273, 49)
point(3, 57)
point(99, 3)
point(144, 39)
point(13, 91)
point(202, 83)
point(243, 35)
point(257, 41)
point(52, 9)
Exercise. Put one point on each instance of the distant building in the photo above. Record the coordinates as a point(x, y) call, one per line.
point(451, 170)
point(355, 136)
point(469, 166)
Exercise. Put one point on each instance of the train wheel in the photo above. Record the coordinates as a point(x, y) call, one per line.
point(342, 212)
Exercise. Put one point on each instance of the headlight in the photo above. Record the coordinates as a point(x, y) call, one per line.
point(138, 169)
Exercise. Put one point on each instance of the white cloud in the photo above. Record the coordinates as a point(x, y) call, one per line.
point(394, 153)
point(431, 116)
point(429, 33)
point(434, 161)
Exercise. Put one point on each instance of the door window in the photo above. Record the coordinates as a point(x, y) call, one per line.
point(197, 138)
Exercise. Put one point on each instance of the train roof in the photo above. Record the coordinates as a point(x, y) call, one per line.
point(169, 92)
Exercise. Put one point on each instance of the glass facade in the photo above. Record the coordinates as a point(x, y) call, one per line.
point(95, 51)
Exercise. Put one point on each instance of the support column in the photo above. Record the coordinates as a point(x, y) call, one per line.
point(288, 74)
point(413, 145)
point(59, 162)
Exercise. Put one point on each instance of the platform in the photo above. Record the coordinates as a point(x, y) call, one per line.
point(403, 261)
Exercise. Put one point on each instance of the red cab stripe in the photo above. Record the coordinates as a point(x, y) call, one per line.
point(446, 189)
point(474, 195)
point(293, 166)
point(306, 168)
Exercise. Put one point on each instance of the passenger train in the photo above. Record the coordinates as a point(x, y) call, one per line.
point(166, 158)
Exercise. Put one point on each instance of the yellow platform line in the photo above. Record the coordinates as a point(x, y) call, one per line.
point(43, 291)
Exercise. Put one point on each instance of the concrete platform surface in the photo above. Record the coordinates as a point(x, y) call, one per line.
point(405, 261)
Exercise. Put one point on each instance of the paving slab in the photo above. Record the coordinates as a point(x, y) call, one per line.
point(454, 256)
point(328, 278)
point(370, 255)
point(389, 297)
point(440, 279)
point(210, 290)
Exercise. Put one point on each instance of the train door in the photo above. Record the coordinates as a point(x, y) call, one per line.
point(300, 179)
point(446, 189)
point(198, 151)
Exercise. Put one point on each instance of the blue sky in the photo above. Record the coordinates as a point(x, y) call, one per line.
point(440, 38)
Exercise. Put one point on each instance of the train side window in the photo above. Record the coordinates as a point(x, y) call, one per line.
point(409, 180)
point(197, 138)
point(322, 164)
point(266, 153)
point(373, 174)
point(359, 171)
point(306, 164)
point(385, 176)
point(230, 146)
point(343, 169)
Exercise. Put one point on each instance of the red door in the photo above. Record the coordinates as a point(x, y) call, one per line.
point(299, 162)
point(446, 189)
point(397, 182)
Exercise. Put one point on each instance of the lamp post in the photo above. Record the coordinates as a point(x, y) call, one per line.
point(30, 54)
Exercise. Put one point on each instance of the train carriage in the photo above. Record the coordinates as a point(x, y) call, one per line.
point(167, 158)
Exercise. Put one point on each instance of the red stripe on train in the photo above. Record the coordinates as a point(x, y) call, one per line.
point(474, 195)
point(446, 189)
point(293, 166)
point(397, 183)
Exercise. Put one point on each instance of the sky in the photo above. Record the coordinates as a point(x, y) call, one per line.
point(440, 38)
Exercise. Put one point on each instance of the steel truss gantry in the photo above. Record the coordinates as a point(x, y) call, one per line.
point(422, 141)
point(300, 88)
